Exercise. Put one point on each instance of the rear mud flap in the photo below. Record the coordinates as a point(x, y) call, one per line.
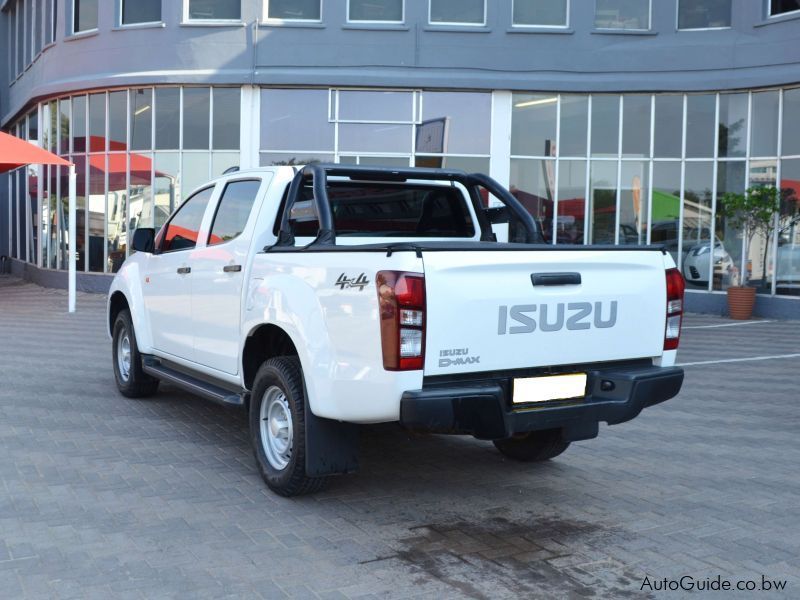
point(331, 446)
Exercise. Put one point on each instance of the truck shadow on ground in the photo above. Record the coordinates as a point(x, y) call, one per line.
point(391, 458)
point(450, 509)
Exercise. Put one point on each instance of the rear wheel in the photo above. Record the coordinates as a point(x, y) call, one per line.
point(533, 446)
point(277, 428)
point(131, 380)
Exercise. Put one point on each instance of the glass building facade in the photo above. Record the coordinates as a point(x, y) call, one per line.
point(592, 168)
point(135, 150)
point(654, 169)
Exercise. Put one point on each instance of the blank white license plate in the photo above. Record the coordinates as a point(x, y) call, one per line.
point(551, 387)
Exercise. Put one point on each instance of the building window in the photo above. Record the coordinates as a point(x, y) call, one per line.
point(20, 38)
point(227, 118)
point(49, 21)
point(667, 138)
point(457, 12)
point(140, 11)
point(28, 17)
point(12, 34)
point(700, 125)
point(780, 7)
point(541, 13)
point(84, 15)
point(764, 123)
point(295, 127)
point(55, 20)
point(533, 119)
point(168, 118)
point(790, 129)
point(732, 125)
point(605, 126)
point(214, 10)
point(196, 110)
point(382, 11)
point(294, 10)
point(141, 119)
point(38, 11)
point(622, 14)
point(704, 14)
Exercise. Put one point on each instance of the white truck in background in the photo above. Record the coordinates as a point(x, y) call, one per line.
point(329, 296)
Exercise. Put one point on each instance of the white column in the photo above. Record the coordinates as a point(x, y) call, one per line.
point(9, 175)
point(500, 148)
point(500, 151)
point(72, 236)
point(250, 127)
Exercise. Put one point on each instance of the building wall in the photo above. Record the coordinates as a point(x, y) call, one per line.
point(753, 52)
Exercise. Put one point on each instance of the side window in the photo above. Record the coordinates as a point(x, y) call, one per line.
point(233, 210)
point(184, 227)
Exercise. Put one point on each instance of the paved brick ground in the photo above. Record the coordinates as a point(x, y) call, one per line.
point(111, 498)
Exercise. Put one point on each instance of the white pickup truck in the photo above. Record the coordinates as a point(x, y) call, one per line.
point(329, 296)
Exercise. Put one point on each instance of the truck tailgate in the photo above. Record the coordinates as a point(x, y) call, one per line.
point(484, 312)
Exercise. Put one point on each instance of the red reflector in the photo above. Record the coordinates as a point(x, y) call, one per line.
point(676, 286)
point(402, 342)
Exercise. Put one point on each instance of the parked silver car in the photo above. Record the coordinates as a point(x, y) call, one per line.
point(696, 252)
point(697, 258)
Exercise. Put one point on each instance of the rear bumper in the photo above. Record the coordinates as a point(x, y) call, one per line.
point(484, 408)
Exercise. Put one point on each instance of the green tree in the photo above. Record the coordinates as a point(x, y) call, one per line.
point(752, 213)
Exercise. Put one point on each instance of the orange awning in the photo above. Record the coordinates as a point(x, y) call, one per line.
point(15, 153)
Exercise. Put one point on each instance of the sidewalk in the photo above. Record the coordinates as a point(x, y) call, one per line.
point(102, 496)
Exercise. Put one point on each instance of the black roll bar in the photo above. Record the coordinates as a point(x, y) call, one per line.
point(533, 234)
point(319, 173)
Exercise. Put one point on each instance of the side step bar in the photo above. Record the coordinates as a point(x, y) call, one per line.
point(156, 368)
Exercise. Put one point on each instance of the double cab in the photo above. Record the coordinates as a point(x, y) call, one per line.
point(324, 297)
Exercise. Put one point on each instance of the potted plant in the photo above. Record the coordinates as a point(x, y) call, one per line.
point(752, 213)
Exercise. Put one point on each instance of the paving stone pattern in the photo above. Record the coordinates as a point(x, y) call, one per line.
point(106, 497)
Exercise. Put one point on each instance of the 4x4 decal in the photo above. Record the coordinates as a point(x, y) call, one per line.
point(359, 282)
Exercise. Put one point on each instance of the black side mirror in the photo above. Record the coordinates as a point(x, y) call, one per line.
point(144, 239)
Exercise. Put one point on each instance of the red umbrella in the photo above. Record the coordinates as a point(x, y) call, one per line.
point(140, 169)
point(15, 153)
point(117, 168)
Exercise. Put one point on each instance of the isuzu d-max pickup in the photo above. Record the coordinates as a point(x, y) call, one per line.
point(328, 296)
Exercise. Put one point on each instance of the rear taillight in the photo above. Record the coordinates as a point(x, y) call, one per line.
point(401, 307)
point(675, 288)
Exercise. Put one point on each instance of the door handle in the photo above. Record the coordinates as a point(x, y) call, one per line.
point(184, 270)
point(232, 268)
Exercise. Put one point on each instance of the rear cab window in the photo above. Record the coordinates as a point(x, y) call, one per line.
point(381, 210)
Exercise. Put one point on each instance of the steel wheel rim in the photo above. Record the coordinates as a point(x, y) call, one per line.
point(124, 355)
point(276, 428)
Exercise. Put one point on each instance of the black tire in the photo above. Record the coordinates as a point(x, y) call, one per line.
point(533, 446)
point(135, 383)
point(279, 383)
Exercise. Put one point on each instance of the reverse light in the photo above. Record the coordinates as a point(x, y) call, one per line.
point(401, 307)
point(411, 318)
point(675, 289)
